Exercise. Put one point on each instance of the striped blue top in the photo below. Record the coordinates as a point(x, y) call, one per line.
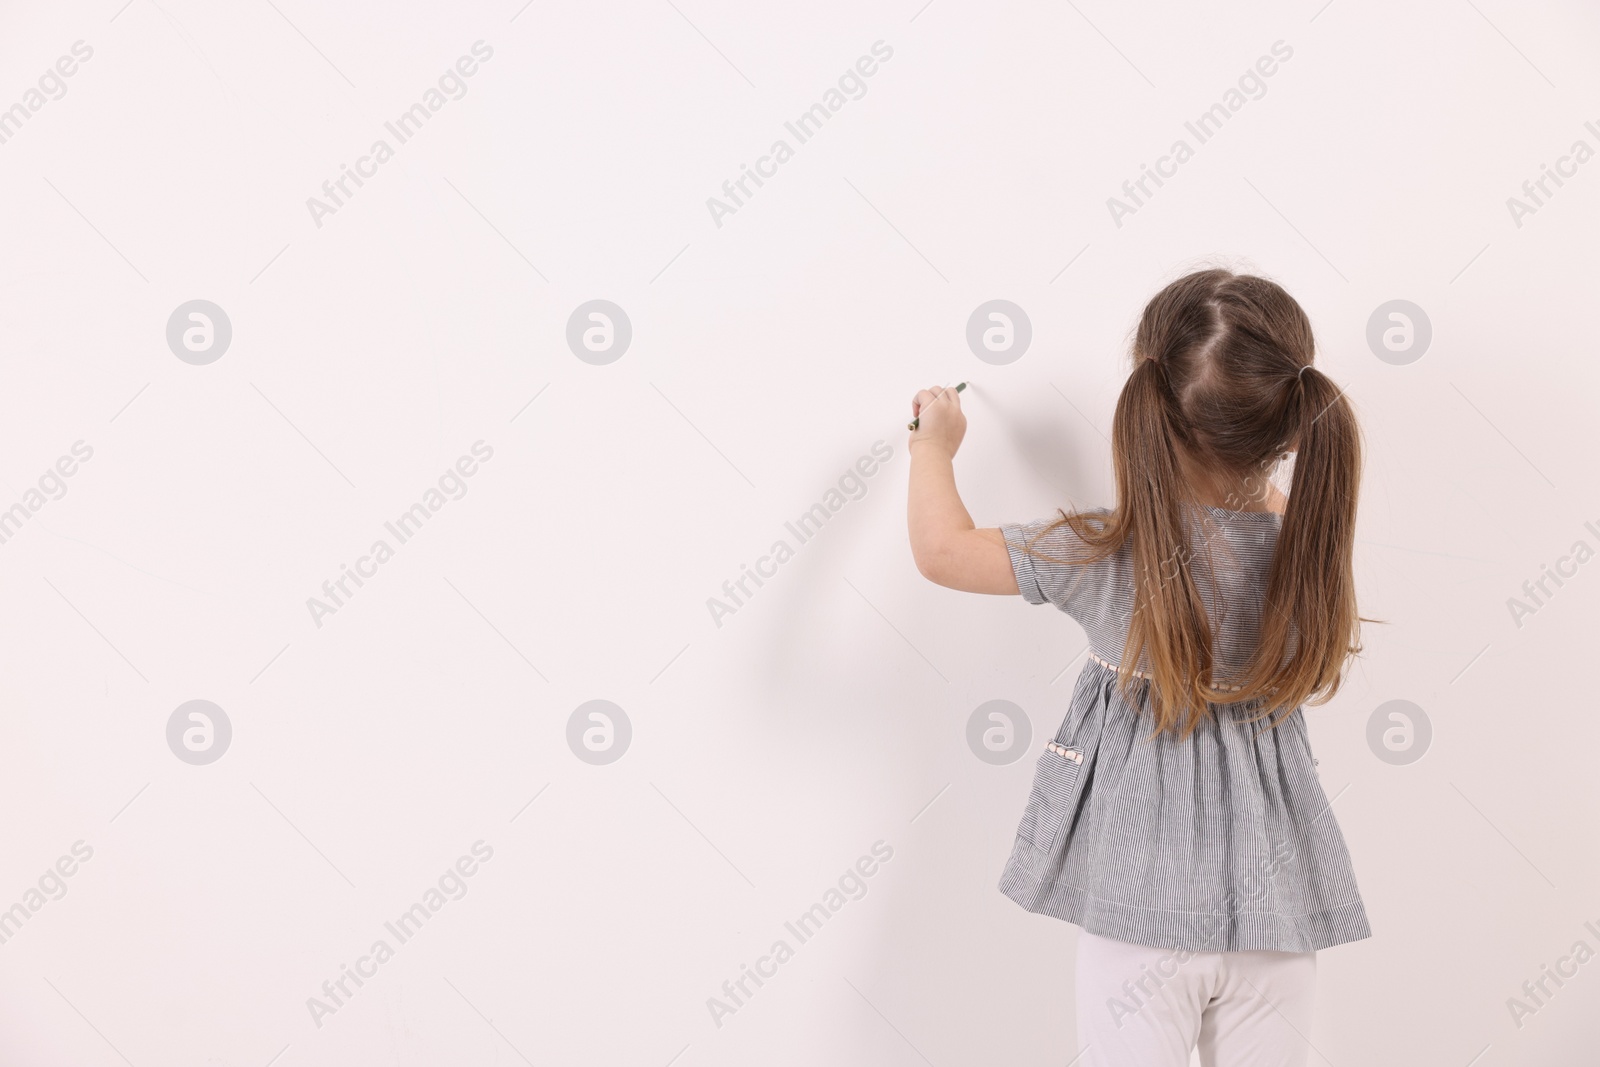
point(1222, 841)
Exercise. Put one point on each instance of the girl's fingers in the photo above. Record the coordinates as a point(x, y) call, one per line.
point(927, 396)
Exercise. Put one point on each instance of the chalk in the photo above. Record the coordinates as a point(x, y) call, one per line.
point(912, 425)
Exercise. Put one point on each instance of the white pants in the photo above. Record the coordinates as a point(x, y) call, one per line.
point(1150, 1007)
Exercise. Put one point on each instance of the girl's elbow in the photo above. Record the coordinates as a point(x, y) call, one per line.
point(932, 565)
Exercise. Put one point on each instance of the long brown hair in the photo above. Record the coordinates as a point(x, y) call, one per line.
point(1222, 374)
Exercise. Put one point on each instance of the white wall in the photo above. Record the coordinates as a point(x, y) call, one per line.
point(768, 354)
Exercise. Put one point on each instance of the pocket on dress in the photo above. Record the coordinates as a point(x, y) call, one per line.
point(1054, 797)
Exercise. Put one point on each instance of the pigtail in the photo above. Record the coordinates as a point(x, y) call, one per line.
point(1169, 624)
point(1309, 620)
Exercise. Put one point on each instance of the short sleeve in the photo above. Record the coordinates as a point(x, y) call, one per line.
point(1046, 575)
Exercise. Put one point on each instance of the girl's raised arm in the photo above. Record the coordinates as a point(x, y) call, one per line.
point(948, 548)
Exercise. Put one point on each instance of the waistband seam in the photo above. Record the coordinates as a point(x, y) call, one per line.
point(1145, 674)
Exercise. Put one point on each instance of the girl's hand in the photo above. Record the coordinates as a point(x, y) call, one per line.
point(940, 421)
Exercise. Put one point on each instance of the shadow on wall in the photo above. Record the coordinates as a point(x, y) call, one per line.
point(865, 543)
point(847, 547)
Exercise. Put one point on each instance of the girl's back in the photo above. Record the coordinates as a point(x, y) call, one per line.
point(1229, 552)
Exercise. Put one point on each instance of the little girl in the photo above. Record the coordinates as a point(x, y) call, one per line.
point(1176, 816)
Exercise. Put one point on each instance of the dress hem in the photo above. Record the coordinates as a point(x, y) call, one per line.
point(1185, 930)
